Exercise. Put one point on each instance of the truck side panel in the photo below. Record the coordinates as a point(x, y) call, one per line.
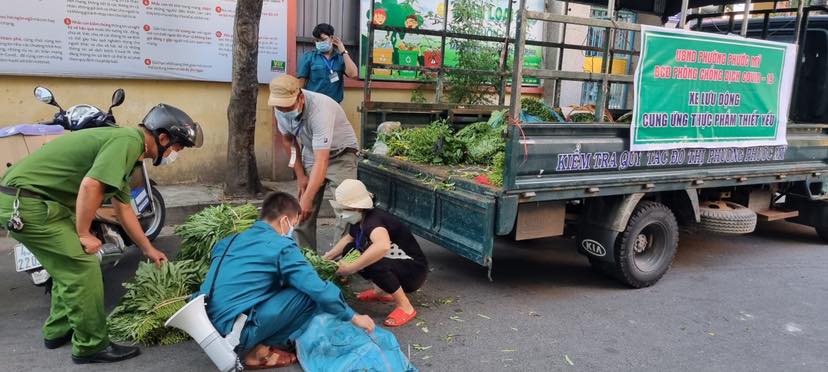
point(461, 221)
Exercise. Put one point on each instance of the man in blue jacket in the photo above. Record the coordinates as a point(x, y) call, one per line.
point(324, 68)
point(263, 274)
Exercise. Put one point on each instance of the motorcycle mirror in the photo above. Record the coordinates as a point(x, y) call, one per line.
point(45, 95)
point(117, 98)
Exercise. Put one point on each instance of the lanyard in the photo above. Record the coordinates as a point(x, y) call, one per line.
point(328, 63)
point(299, 129)
point(360, 235)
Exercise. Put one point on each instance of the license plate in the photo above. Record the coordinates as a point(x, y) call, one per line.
point(140, 200)
point(23, 259)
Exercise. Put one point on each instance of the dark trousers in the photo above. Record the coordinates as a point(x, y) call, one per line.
point(391, 274)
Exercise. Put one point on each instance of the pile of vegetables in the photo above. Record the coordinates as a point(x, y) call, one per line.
point(539, 109)
point(479, 143)
point(432, 144)
point(155, 294)
point(482, 142)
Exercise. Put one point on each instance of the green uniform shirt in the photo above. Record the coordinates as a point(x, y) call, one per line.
point(57, 169)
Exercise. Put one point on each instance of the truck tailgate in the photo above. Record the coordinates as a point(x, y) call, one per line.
point(459, 220)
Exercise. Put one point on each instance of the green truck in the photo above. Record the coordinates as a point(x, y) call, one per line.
point(581, 180)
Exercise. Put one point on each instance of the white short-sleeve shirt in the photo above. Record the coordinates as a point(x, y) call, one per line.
point(322, 126)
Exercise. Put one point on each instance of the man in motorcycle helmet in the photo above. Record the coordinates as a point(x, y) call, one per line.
point(56, 192)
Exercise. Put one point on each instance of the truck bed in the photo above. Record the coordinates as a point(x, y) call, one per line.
point(555, 163)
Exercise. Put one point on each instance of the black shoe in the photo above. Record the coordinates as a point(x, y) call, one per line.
point(57, 342)
point(112, 353)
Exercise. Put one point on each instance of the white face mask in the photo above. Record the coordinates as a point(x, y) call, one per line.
point(351, 217)
point(169, 159)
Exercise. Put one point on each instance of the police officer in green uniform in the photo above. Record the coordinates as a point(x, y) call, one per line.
point(54, 194)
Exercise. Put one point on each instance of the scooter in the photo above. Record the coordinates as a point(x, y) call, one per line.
point(147, 202)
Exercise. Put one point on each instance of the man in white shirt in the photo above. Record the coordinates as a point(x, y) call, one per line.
point(322, 145)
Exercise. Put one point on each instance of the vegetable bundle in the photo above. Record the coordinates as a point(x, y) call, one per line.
point(152, 297)
point(481, 141)
point(432, 144)
point(200, 233)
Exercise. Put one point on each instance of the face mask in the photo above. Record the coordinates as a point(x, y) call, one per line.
point(289, 233)
point(289, 118)
point(324, 46)
point(351, 217)
point(170, 159)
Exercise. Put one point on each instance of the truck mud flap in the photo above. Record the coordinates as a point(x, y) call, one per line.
point(460, 221)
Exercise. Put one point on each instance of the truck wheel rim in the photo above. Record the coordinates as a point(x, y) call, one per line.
point(648, 247)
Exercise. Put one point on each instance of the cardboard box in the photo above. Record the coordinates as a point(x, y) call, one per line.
point(14, 148)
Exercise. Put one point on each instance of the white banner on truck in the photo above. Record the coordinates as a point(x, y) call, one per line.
point(134, 39)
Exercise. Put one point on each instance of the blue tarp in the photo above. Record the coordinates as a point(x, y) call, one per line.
point(330, 344)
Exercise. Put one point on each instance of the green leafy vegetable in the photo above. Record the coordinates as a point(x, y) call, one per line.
point(325, 268)
point(481, 141)
point(433, 144)
point(200, 233)
point(538, 109)
point(152, 297)
point(498, 167)
point(351, 257)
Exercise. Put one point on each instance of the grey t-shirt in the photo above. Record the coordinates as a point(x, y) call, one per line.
point(322, 126)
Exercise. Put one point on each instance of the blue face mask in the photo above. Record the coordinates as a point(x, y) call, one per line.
point(324, 46)
point(289, 118)
point(289, 233)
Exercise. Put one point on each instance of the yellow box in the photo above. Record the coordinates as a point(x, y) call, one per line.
point(593, 65)
point(383, 56)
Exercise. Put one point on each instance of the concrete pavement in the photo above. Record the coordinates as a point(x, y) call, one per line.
point(184, 200)
point(749, 303)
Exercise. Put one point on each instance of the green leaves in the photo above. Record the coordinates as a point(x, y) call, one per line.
point(325, 268)
point(433, 144)
point(351, 257)
point(204, 229)
point(538, 109)
point(482, 142)
point(154, 295)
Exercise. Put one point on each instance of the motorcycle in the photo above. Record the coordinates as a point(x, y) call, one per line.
point(147, 202)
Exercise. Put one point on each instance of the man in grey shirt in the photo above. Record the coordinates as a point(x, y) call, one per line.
point(320, 139)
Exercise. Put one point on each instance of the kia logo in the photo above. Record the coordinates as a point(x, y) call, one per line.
point(593, 247)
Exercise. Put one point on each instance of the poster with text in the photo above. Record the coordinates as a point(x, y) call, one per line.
point(490, 18)
point(140, 39)
point(702, 90)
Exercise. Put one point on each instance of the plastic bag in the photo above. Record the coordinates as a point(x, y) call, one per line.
point(328, 344)
point(384, 129)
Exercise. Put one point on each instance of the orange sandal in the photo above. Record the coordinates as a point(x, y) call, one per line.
point(399, 318)
point(370, 295)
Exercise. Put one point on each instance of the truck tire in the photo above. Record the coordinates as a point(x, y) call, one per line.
point(645, 250)
point(822, 231)
point(726, 218)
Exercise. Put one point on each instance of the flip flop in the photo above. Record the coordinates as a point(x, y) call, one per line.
point(283, 359)
point(370, 295)
point(399, 318)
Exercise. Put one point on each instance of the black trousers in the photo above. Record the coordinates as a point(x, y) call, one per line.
point(391, 274)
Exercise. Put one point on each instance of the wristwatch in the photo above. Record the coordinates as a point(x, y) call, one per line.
point(345, 52)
